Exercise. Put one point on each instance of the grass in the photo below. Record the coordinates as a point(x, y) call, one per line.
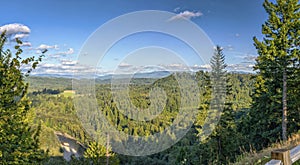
point(68, 93)
point(262, 157)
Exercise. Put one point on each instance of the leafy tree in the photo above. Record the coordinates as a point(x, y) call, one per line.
point(277, 63)
point(18, 141)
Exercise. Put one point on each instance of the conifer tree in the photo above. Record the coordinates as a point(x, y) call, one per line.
point(97, 154)
point(18, 140)
point(222, 144)
point(224, 136)
point(277, 61)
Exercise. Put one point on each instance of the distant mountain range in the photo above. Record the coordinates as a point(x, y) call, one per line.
point(154, 74)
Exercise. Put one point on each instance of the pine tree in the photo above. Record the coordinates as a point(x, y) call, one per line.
point(222, 144)
point(216, 90)
point(277, 61)
point(18, 141)
point(225, 133)
point(97, 154)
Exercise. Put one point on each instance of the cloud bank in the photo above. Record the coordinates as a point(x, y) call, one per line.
point(15, 28)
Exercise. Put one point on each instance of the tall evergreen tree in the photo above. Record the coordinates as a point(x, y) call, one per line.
point(216, 90)
point(18, 141)
point(221, 146)
point(276, 63)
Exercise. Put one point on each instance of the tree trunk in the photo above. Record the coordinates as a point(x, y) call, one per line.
point(284, 105)
point(107, 149)
point(219, 148)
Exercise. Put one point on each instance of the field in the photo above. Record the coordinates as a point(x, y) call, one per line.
point(68, 93)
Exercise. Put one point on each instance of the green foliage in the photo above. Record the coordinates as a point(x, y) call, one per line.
point(49, 141)
point(277, 64)
point(18, 140)
point(95, 151)
point(222, 145)
point(96, 154)
point(251, 116)
point(58, 113)
point(54, 83)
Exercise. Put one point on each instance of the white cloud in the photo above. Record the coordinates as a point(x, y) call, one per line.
point(22, 35)
point(15, 28)
point(201, 67)
point(44, 46)
point(69, 51)
point(25, 44)
point(250, 58)
point(68, 62)
point(175, 65)
point(240, 67)
point(186, 15)
point(124, 65)
point(66, 67)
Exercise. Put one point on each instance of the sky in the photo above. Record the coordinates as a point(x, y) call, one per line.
point(63, 27)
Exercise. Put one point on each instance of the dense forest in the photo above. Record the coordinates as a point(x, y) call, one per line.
point(57, 112)
point(243, 113)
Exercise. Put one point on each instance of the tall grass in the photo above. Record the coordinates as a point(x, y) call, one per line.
point(261, 157)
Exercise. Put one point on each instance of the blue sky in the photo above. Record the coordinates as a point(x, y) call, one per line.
point(64, 26)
